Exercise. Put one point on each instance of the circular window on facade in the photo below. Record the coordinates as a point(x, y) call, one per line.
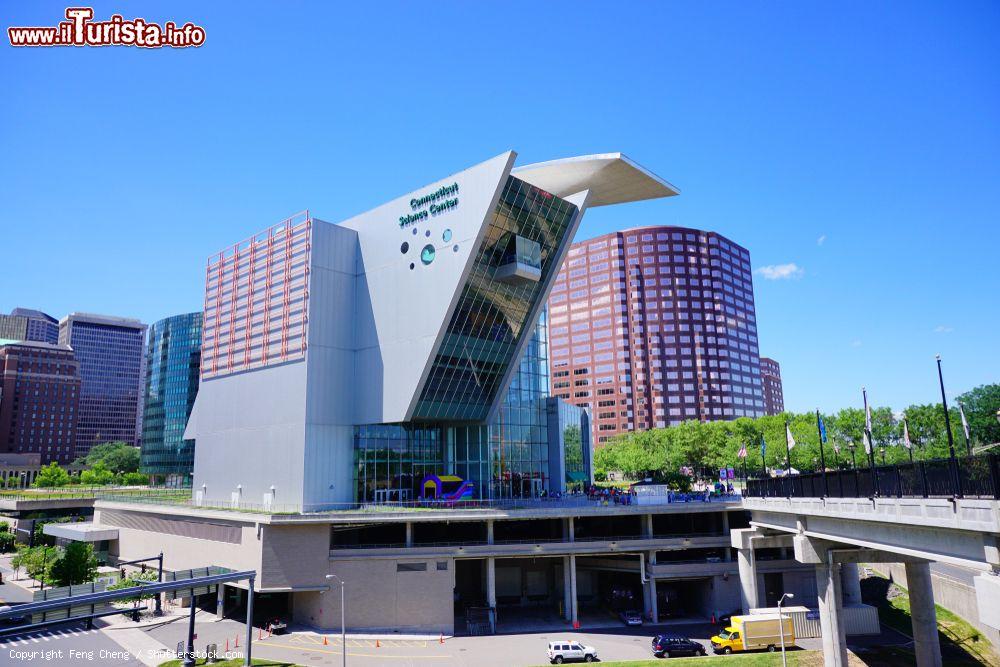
point(455, 248)
point(412, 265)
point(446, 236)
point(427, 254)
point(405, 248)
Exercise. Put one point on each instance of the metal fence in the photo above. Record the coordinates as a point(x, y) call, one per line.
point(965, 477)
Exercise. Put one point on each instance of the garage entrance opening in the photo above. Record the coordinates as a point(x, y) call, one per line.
point(684, 598)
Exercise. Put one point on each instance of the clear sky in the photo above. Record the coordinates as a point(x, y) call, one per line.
point(851, 147)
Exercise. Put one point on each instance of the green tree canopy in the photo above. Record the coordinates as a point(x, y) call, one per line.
point(118, 457)
point(51, 476)
point(77, 565)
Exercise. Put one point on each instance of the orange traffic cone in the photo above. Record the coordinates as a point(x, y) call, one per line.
point(325, 642)
point(576, 625)
point(260, 634)
point(441, 639)
point(237, 641)
point(713, 618)
point(377, 643)
point(227, 644)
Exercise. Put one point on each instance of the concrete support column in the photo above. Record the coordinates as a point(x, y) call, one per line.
point(572, 588)
point(220, 601)
point(647, 525)
point(647, 605)
point(922, 616)
point(654, 614)
point(571, 533)
point(748, 579)
point(567, 593)
point(850, 579)
point(491, 591)
point(409, 533)
point(489, 531)
point(828, 592)
point(725, 523)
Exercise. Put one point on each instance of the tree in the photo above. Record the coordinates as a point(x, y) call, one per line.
point(981, 405)
point(97, 475)
point(38, 561)
point(51, 476)
point(77, 565)
point(118, 457)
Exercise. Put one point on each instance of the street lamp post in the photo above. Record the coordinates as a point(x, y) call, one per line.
point(343, 632)
point(781, 627)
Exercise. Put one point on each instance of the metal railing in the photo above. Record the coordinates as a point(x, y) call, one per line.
point(965, 477)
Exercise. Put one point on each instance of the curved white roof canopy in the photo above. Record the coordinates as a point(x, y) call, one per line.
point(612, 178)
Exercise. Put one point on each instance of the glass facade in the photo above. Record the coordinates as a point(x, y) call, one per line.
point(110, 352)
point(40, 326)
point(506, 459)
point(492, 316)
point(173, 357)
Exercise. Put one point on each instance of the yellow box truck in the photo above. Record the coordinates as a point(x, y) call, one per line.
point(753, 632)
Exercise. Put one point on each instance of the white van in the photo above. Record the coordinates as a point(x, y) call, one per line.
point(565, 649)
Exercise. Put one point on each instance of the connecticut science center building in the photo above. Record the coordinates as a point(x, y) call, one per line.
point(374, 404)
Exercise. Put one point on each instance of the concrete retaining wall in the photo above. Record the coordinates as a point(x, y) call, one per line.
point(955, 596)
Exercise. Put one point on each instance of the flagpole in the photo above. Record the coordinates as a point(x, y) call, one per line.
point(947, 428)
point(788, 453)
point(906, 439)
point(965, 428)
point(822, 457)
point(871, 444)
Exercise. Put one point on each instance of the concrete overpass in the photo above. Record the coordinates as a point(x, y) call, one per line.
point(834, 534)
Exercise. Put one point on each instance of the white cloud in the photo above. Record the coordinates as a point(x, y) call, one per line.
point(943, 328)
point(781, 271)
point(821, 240)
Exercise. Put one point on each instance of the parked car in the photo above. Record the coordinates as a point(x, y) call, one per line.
point(565, 650)
point(670, 646)
point(277, 626)
point(14, 620)
point(631, 617)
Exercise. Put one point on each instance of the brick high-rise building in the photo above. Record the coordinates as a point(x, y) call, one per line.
point(770, 375)
point(110, 351)
point(39, 400)
point(653, 326)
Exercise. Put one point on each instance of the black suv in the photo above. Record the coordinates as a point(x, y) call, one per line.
point(669, 646)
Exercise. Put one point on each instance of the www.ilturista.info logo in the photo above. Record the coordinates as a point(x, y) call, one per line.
point(80, 30)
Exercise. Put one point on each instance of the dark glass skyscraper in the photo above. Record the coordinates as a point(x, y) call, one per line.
point(110, 353)
point(173, 357)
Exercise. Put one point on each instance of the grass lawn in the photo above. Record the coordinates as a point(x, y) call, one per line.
point(961, 642)
point(756, 659)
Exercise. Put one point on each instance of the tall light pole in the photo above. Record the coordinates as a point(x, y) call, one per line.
point(957, 477)
point(343, 632)
point(781, 627)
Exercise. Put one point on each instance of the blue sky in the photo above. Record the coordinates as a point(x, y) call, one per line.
point(856, 141)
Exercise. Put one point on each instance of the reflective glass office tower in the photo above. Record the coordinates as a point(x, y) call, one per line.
point(173, 357)
point(110, 353)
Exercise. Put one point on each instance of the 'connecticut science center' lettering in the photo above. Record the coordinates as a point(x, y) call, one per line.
point(440, 200)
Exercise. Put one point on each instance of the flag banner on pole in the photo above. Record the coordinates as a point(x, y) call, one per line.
point(906, 436)
point(868, 441)
point(822, 429)
point(868, 424)
point(791, 440)
point(730, 473)
point(965, 423)
point(836, 447)
point(763, 446)
point(742, 454)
